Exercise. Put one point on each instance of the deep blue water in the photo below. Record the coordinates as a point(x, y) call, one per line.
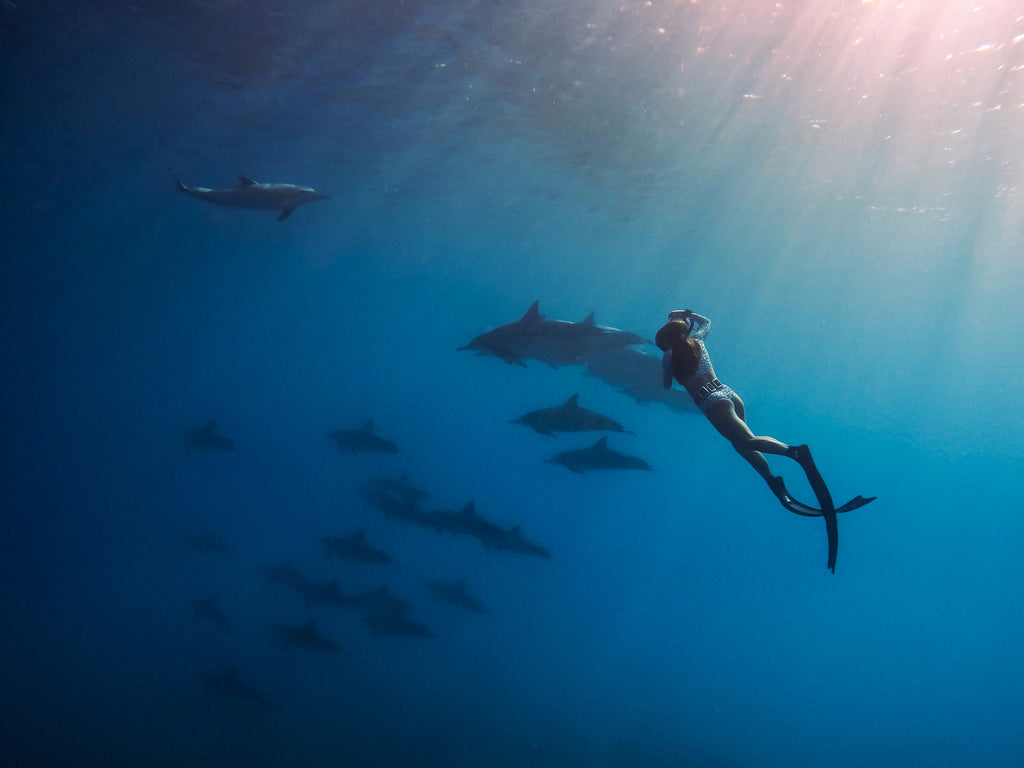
point(835, 184)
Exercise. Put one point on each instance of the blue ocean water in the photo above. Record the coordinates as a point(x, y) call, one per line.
point(836, 184)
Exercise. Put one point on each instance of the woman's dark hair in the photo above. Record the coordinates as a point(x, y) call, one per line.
point(686, 354)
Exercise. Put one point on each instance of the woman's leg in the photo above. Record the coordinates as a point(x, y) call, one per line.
point(727, 416)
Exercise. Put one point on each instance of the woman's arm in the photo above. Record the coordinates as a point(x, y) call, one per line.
point(701, 326)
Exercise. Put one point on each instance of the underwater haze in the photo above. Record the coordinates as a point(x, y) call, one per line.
point(188, 387)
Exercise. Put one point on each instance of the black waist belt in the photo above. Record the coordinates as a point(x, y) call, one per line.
point(712, 386)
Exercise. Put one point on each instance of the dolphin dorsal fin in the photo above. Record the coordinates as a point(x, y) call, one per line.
point(311, 626)
point(211, 426)
point(571, 402)
point(368, 426)
point(602, 444)
point(360, 535)
point(588, 320)
point(533, 314)
point(245, 181)
point(469, 509)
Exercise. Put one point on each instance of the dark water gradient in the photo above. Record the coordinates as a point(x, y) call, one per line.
point(836, 187)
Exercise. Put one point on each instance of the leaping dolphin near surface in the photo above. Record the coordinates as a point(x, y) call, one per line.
point(251, 194)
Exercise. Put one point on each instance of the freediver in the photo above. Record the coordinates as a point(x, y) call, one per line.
point(686, 360)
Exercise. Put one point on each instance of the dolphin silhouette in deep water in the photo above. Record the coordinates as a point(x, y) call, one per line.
point(208, 438)
point(354, 547)
point(252, 194)
point(229, 684)
point(570, 416)
point(362, 439)
point(209, 609)
point(598, 456)
point(456, 594)
point(305, 636)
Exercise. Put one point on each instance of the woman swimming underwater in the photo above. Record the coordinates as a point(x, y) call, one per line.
point(687, 361)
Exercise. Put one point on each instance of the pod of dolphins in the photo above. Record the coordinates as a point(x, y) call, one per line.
point(615, 356)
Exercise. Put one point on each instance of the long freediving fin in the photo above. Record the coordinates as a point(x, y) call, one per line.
point(798, 508)
point(802, 454)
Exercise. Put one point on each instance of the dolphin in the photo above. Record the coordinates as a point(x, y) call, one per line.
point(362, 439)
point(252, 194)
point(207, 439)
point(400, 508)
point(286, 575)
point(598, 456)
point(354, 547)
point(399, 489)
point(380, 602)
point(514, 541)
point(637, 374)
point(396, 624)
point(469, 522)
point(305, 636)
point(555, 342)
point(325, 593)
point(230, 684)
point(601, 338)
point(209, 609)
point(568, 417)
point(456, 594)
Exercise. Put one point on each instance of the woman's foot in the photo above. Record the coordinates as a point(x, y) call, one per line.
point(778, 487)
point(801, 454)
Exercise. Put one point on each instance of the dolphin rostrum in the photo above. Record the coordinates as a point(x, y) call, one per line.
point(251, 194)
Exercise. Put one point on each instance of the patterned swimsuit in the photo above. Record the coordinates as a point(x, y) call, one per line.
point(701, 326)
